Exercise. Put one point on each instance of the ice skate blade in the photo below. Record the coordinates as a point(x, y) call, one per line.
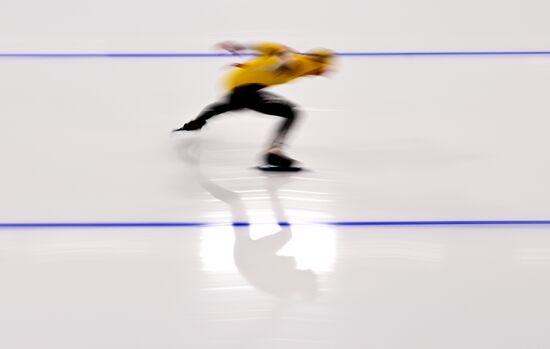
point(271, 168)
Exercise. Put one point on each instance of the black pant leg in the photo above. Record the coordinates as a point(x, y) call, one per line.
point(217, 109)
point(271, 104)
point(238, 99)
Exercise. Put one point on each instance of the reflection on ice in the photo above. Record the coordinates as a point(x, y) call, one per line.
point(278, 259)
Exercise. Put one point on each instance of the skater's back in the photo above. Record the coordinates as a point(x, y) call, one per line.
point(277, 64)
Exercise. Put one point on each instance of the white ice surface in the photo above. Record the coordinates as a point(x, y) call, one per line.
point(383, 139)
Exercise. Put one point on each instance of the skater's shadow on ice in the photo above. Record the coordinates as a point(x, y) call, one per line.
point(257, 259)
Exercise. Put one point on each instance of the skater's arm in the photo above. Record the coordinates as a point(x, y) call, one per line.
point(284, 53)
point(285, 56)
point(231, 46)
point(265, 49)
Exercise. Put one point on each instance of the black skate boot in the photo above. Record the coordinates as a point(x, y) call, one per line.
point(278, 160)
point(192, 125)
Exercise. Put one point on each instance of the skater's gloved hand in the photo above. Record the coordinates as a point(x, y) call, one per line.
point(231, 46)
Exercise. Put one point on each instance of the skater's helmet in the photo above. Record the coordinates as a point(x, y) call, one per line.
point(322, 55)
point(321, 59)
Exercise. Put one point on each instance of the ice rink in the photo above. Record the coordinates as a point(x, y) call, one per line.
point(147, 239)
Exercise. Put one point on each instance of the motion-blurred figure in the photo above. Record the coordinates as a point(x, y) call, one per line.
point(245, 84)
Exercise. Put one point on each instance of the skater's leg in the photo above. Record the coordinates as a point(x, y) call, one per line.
point(271, 104)
point(216, 109)
point(239, 98)
point(209, 112)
